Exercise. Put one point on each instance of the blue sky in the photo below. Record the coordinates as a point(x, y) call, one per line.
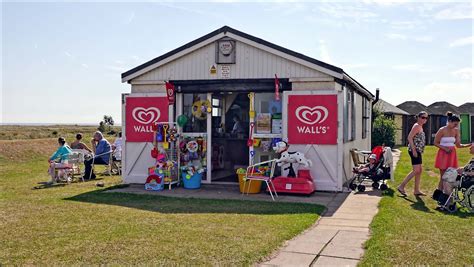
point(61, 62)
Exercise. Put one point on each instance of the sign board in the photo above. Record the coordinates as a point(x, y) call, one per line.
point(170, 93)
point(225, 71)
point(312, 119)
point(140, 114)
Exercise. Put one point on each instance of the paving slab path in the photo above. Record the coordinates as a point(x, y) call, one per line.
point(337, 238)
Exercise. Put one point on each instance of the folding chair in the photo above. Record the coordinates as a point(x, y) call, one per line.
point(109, 172)
point(250, 176)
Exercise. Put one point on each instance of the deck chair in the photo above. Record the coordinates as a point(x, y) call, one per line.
point(250, 176)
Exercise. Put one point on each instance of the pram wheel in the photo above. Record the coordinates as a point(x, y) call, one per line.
point(383, 187)
point(361, 188)
point(353, 186)
point(375, 185)
point(451, 208)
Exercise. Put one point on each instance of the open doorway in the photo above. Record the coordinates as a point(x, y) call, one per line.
point(230, 130)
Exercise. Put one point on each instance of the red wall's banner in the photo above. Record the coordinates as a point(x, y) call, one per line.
point(312, 119)
point(140, 114)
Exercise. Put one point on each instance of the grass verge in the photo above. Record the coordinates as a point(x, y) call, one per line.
point(78, 224)
point(409, 231)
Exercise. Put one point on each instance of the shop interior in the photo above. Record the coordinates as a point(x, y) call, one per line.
point(230, 126)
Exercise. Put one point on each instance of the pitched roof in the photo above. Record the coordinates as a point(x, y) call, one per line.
point(467, 108)
point(388, 108)
point(413, 107)
point(441, 107)
point(130, 74)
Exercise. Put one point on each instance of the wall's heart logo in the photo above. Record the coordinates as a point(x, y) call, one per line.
point(146, 115)
point(317, 114)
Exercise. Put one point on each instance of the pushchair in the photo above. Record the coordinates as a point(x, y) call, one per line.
point(378, 174)
point(462, 192)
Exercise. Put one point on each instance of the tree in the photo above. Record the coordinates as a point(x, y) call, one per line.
point(105, 126)
point(383, 130)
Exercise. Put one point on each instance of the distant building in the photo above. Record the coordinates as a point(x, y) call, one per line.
point(466, 112)
point(396, 114)
point(413, 108)
point(438, 116)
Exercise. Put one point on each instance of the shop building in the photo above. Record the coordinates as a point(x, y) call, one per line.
point(227, 84)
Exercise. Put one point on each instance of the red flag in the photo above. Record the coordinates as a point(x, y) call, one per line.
point(170, 92)
point(277, 89)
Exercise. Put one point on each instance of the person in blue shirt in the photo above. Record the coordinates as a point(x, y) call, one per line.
point(59, 158)
point(102, 155)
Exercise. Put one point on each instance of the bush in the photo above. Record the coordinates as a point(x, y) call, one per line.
point(383, 130)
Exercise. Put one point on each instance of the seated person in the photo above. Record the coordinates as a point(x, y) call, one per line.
point(448, 186)
point(78, 144)
point(468, 170)
point(369, 167)
point(102, 155)
point(59, 159)
point(117, 148)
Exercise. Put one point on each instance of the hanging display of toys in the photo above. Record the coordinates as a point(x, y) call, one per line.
point(165, 151)
point(201, 108)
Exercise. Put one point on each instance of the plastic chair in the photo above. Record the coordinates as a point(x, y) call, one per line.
point(72, 168)
point(250, 176)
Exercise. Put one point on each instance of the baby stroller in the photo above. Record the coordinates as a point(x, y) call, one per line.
point(380, 172)
point(462, 192)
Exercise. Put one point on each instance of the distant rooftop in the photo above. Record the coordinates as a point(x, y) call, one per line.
point(388, 108)
point(467, 108)
point(441, 107)
point(413, 107)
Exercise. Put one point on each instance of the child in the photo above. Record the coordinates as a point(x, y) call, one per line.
point(369, 167)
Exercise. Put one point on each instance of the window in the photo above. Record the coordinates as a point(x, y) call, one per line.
point(349, 115)
point(197, 122)
point(365, 117)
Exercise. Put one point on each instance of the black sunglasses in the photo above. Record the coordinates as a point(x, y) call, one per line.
point(425, 118)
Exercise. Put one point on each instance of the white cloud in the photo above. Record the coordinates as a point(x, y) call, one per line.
point(405, 25)
point(84, 65)
point(385, 2)
point(462, 41)
point(347, 11)
point(130, 18)
point(464, 73)
point(459, 11)
point(69, 55)
point(116, 68)
point(411, 67)
point(396, 36)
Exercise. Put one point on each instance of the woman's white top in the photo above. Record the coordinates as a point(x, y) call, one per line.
point(448, 141)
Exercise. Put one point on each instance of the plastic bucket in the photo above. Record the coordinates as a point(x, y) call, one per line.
point(193, 182)
point(254, 185)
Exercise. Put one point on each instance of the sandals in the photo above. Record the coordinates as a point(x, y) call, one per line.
point(402, 192)
point(419, 194)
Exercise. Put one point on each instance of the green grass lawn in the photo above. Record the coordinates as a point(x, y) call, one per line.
point(409, 231)
point(79, 224)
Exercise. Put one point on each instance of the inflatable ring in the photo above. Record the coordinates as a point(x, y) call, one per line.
point(192, 146)
point(201, 108)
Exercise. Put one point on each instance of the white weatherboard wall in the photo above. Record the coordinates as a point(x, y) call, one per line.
point(358, 142)
point(251, 63)
point(327, 159)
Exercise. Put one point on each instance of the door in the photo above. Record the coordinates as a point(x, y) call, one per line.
point(327, 161)
point(139, 112)
point(197, 109)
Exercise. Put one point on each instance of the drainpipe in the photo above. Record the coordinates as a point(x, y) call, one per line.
point(377, 93)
